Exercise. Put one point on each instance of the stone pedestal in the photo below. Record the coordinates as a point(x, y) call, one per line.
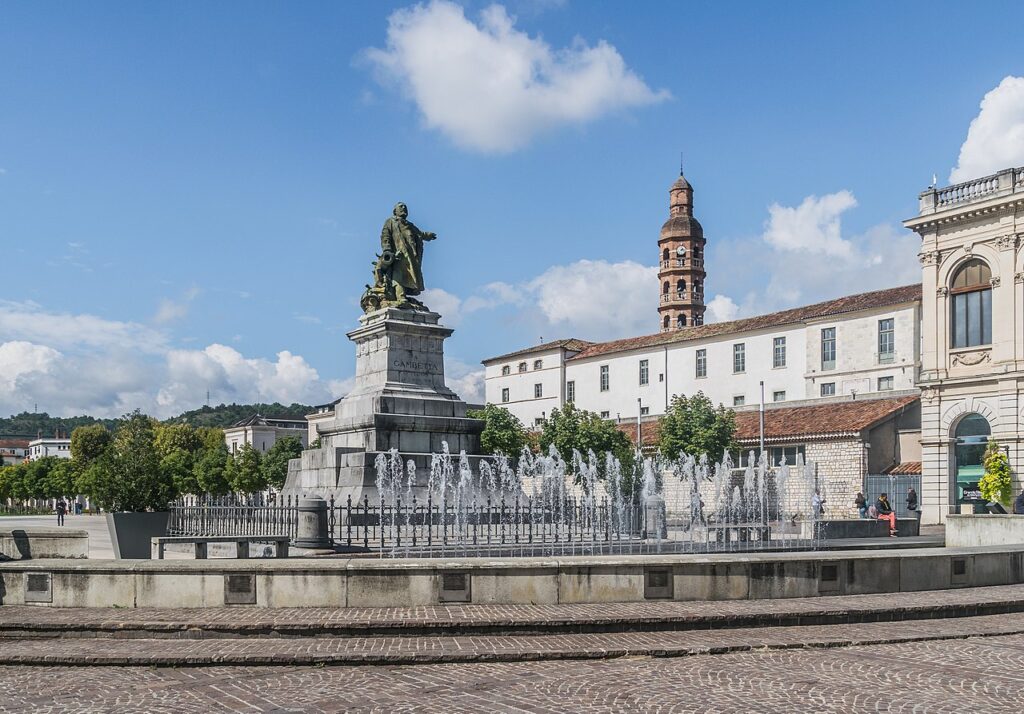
point(400, 401)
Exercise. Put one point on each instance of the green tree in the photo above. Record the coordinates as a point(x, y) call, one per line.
point(244, 473)
point(275, 461)
point(503, 432)
point(693, 425)
point(88, 443)
point(62, 479)
point(997, 483)
point(569, 429)
point(36, 479)
point(211, 470)
point(128, 477)
point(179, 446)
point(8, 474)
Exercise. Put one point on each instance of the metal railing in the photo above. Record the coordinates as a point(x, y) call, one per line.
point(233, 515)
point(896, 486)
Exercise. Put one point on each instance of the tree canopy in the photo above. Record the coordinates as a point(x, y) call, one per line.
point(503, 432)
point(693, 425)
point(570, 428)
point(275, 461)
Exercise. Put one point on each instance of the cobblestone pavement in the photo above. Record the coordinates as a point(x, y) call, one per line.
point(256, 620)
point(976, 674)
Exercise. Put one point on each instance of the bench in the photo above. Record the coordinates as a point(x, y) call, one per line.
point(202, 542)
point(745, 532)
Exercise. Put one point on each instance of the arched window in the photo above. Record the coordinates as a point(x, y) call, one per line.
point(972, 435)
point(680, 286)
point(971, 305)
point(665, 254)
point(681, 321)
point(667, 322)
point(664, 288)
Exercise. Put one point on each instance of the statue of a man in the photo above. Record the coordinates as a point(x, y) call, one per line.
point(401, 261)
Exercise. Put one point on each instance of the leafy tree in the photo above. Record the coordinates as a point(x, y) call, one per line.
point(693, 425)
point(244, 473)
point(178, 446)
point(62, 479)
point(8, 475)
point(275, 461)
point(570, 428)
point(503, 432)
point(211, 470)
point(36, 478)
point(127, 476)
point(997, 483)
point(88, 443)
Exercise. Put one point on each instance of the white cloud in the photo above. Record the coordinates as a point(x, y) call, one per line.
point(492, 88)
point(171, 310)
point(465, 380)
point(19, 358)
point(721, 309)
point(28, 321)
point(811, 227)
point(995, 139)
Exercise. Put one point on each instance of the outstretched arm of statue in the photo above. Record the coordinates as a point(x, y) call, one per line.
point(427, 235)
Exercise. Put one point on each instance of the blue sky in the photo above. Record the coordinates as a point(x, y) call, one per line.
point(191, 193)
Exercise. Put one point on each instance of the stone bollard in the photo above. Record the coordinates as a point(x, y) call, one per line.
point(655, 523)
point(312, 530)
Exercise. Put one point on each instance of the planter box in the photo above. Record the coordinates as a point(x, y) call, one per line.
point(130, 533)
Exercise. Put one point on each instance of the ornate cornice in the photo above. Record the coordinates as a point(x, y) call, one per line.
point(930, 257)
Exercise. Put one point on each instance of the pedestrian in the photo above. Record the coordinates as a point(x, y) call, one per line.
point(912, 503)
point(885, 512)
point(861, 502)
point(62, 508)
point(1018, 504)
point(817, 504)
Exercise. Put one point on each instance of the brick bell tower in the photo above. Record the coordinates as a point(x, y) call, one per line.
point(681, 262)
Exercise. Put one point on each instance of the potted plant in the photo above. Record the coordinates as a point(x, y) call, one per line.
point(997, 483)
point(128, 483)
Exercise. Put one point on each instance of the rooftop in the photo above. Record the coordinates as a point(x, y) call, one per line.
point(260, 420)
point(571, 344)
point(838, 306)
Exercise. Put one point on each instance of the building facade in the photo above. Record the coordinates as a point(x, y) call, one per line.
point(972, 356)
point(262, 432)
point(13, 450)
point(49, 446)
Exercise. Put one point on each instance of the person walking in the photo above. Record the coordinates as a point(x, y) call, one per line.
point(861, 503)
point(885, 512)
point(62, 509)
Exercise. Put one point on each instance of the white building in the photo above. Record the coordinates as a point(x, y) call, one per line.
point(49, 446)
point(972, 372)
point(13, 450)
point(854, 346)
point(262, 432)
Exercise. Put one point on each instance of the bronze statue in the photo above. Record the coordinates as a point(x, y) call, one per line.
point(398, 270)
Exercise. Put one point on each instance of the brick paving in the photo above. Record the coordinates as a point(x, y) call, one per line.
point(976, 674)
point(255, 621)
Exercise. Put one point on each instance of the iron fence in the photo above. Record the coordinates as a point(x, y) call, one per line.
point(233, 515)
point(897, 486)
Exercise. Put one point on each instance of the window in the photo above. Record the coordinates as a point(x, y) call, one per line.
point(504, 394)
point(698, 319)
point(739, 401)
point(644, 411)
point(779, 352)
point(680, 287)
point(537, 363)
point(570, 391)
point(971, 305)
point(885, 384)
point(506, 371)
point(538, 391)
point(739, 358)
point(522, 366)
point(605, 415)
point(539, 421)
point(886, 340)
point(681, 321)
point(664, 254)
point(667, 322)
point(779, 396)
point(828, 389)
point(828, 348)
point(664, 288)
point(604, 378)
point(644, 373)
point(702, 363)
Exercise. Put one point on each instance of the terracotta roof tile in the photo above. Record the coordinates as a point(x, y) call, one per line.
point(907, 468)
point(571, 344)
point(818, 420)
point(849, 303)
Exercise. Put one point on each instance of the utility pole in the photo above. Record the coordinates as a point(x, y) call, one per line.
point(639, 436)
point(761, 420)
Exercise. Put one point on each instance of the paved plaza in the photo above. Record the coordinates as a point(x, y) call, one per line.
point(976, 674)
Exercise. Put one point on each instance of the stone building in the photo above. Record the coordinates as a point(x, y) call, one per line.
point(262, 432)
point(972, 354)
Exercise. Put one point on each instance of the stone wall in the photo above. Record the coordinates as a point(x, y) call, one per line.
point(840, 474)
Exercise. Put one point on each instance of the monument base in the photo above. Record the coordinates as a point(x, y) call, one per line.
point(400, 401)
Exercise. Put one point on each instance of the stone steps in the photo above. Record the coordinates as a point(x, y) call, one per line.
point(28, 622)
point(489, 648)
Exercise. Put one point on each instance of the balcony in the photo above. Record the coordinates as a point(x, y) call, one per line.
point(696, 296)
point(1007, 181)
point(693, 263)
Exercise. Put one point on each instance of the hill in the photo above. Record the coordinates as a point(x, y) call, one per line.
point(223, 415)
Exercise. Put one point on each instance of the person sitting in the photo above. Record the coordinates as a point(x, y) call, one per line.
point(1018, 504)
point(862, 504)
point(885, 512)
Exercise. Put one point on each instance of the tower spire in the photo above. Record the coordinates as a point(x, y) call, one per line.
point(681, 260)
